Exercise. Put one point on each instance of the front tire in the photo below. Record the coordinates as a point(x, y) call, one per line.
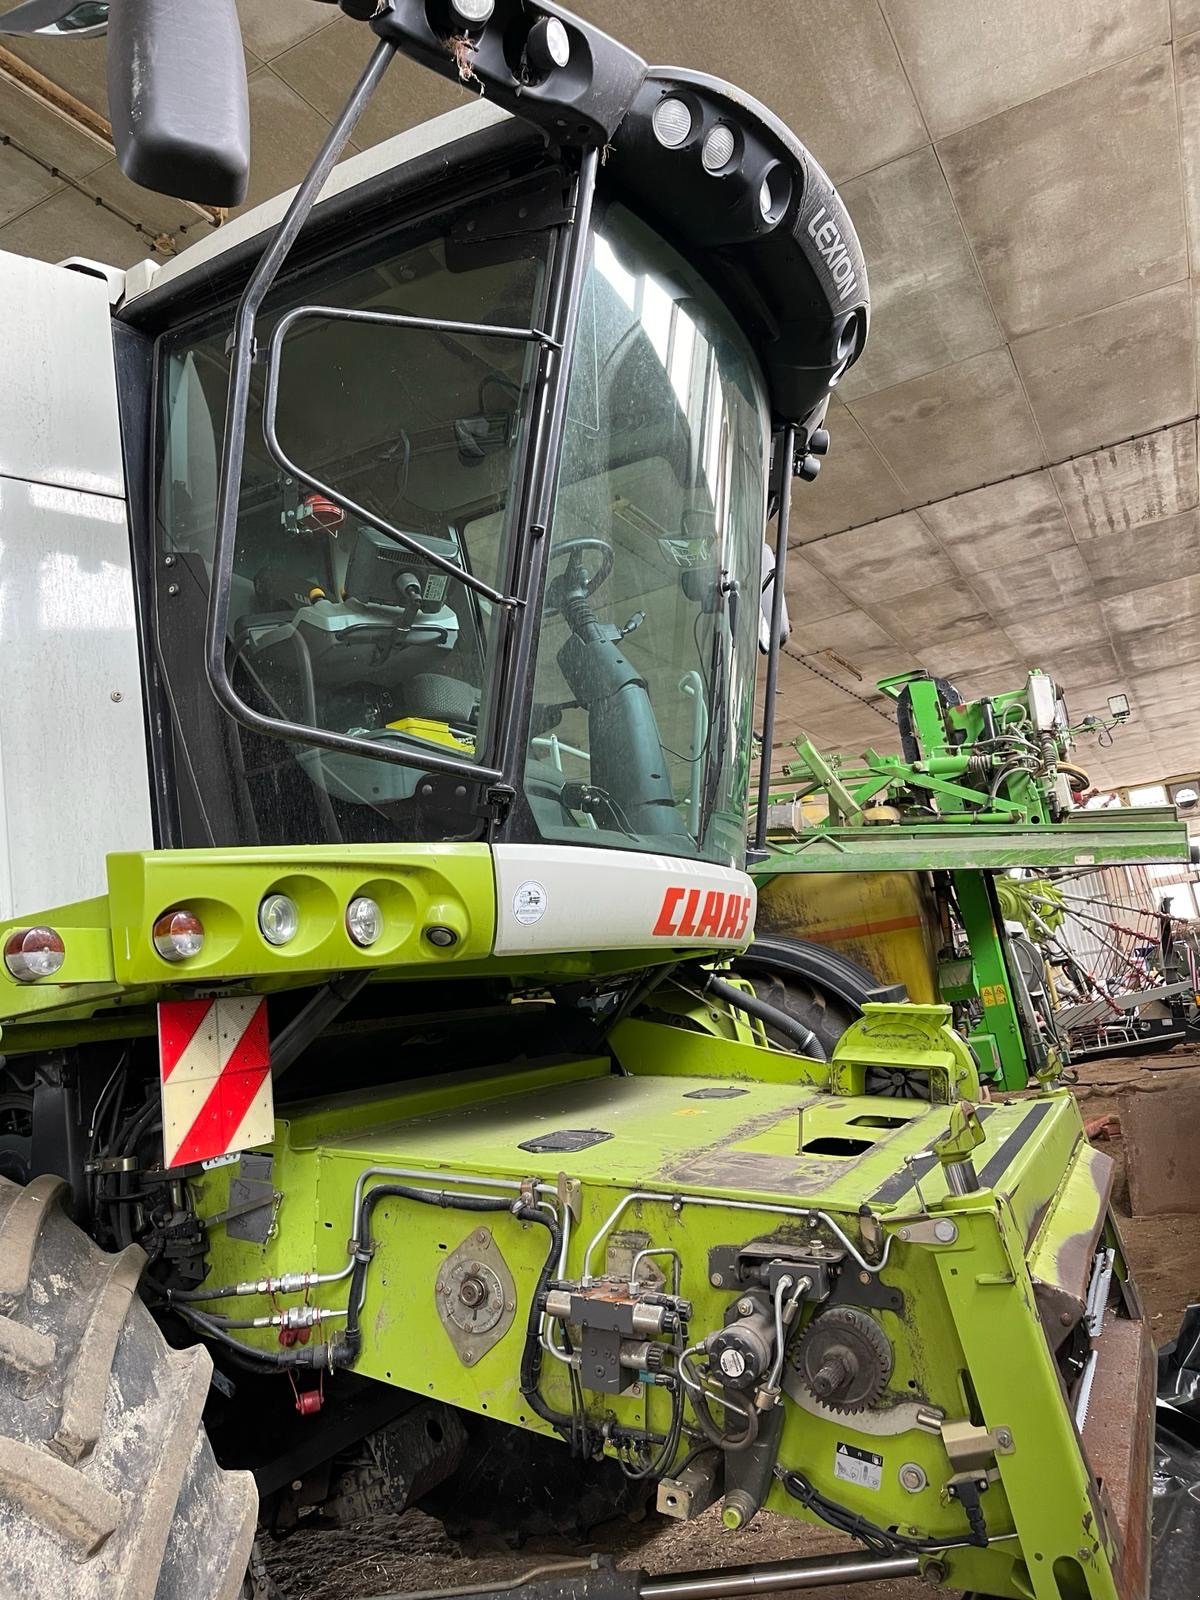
point(109, 1489)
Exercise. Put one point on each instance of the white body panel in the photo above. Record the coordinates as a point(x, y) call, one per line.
point(573, 897)
point(73, 769)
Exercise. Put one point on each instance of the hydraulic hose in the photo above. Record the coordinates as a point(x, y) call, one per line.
point(803, 1038)
point(347, 1349)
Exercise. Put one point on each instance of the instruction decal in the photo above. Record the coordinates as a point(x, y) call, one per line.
point(530, 901)
point(857, 1466)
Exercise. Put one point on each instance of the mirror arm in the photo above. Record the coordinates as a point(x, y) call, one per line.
point(233, 451)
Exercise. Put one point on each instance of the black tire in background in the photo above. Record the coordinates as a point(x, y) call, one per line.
point(109, 1489)
point(819, 987)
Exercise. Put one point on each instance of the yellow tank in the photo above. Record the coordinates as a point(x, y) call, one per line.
point(883, 920)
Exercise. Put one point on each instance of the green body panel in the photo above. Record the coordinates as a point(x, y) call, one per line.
point(673, 1166)
point(112, 975)
point(1001, 1020)
point(1083, 838)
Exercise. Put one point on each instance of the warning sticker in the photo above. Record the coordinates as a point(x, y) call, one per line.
point(857, 1466)
point(530, 901)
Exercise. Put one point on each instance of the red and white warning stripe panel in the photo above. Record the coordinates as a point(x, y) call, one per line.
point(215, 1069)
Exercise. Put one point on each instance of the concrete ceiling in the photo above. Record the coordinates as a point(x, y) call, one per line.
point(1013, 478)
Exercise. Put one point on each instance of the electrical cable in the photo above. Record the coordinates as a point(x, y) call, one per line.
point(883, 1541)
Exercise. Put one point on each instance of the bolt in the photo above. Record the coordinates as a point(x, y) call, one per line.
point(1084, 1553)
point(934, 1573)
point(912, 1477)
point(468, 1356)
point(745, 1307)
point(116, 696)
point(172, 588)
point(1004, 1438)
point(716, 1280)
point(297, 1483)
point(510, 1305)
point(864, 1277)
point(904, 1233)
point(168, 561)
point(944, 1231)
point(1065, 1318)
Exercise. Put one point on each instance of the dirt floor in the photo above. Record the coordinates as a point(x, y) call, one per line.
point(412, 1553)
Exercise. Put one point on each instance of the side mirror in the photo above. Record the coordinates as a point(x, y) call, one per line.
point(177, 98)
point(177, 95)
point(66, 19)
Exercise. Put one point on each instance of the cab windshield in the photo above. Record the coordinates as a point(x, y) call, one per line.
point(643, 696)
point(640, 722)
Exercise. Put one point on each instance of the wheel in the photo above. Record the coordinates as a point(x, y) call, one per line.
point(821, 988)
point(16, 1135)
point(109, 1489)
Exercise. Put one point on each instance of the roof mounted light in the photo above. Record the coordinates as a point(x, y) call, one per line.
point(548, 46)
point(178, 935)
point(718, 147)
point(774, 192)
point(672, 122)
point(33, 953)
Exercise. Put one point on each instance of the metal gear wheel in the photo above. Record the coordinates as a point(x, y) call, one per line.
point(844, 1359)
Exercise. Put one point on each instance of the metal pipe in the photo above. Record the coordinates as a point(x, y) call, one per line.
point(772, 1577)
point(677, 1201)
point(787, 448)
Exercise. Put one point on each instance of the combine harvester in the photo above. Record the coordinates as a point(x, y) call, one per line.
point(376, 766)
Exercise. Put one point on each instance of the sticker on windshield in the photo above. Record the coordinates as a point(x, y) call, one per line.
point(530, 901)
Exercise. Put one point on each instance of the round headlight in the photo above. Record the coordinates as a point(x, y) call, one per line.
point(178, 935)
point(775, 192)
point(278, 918)
point(473, 11)
point(717, 148)
point(672, 122)
point(548, 45)
point(364, 920)
point(32, 953)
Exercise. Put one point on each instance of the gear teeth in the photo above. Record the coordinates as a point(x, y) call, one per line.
point(846, 1332)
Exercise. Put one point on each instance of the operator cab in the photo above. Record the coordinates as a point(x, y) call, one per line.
point(499, 505)
point(655, 547)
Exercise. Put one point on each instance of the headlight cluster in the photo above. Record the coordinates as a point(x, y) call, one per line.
point(723, 151)
point(179, 934)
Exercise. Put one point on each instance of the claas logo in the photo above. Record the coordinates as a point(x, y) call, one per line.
point(699, 913)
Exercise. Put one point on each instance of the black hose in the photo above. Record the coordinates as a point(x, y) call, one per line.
point(531, 1354)
point(803, 1038)
point(708, 1424)
point(313, 1356)
point(345, 1351)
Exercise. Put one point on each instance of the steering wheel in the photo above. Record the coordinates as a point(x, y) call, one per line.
point(577, 581)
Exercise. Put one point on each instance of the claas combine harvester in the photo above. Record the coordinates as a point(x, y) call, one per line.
point(382, 609)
